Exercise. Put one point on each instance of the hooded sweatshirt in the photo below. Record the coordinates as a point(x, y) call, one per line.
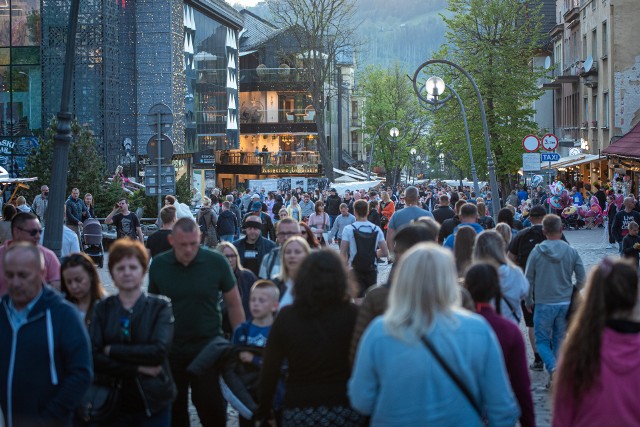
point(550, 268)
point(612, 400)
point(45, 365)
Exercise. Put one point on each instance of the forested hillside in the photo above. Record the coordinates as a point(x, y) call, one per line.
point(405, 31)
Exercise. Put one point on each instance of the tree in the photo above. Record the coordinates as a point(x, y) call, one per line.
point(323, 30)
point(86, 167)
point(494, 40)
point(390, 97)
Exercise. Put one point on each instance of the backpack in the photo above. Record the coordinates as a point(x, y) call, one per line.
point(366, 243)
point(527, 241)
point(208, 229)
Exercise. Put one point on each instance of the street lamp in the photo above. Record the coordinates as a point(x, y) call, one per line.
point(62, 140)
point(393, 134)
point(433, 87)
point(490, 163)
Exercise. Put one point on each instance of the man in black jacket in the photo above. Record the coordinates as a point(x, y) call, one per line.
point(253, 247)
point(268, 230)
point(443, 211)
point(332, 206)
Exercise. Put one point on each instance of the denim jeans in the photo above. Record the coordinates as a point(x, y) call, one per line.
point(332, 219)
point(549, 328)
point(227, 238)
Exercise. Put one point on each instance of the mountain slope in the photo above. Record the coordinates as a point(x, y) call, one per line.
point(404, 31)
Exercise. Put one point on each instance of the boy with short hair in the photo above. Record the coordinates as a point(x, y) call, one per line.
point(631, 243)
point(263, 304)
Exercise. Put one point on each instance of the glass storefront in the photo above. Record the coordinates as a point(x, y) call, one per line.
point(212, 90)
point(20, 81)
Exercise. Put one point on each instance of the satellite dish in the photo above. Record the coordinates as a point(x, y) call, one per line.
point(588, 63)
point(547, 62)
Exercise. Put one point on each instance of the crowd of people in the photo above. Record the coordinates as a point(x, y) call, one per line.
point(250, 303)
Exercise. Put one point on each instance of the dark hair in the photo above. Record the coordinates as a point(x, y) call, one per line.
point(21, 218)
point(310, 237)
point(468, 210)
point(123, 248)
point(361, 208)
point(322, 282)
point(168, 214)
point(612, 288)
point(8, 212)
point(318, 205)
point(170, 198)
point(463, 247)
point(505, 215)
point(411, 234)
point(96, 291)
point(186, 225)
point(483, 284)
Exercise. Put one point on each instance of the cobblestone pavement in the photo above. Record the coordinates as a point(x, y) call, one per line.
point(592, 246)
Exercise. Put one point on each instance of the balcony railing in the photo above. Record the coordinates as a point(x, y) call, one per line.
point(252, 115)
point(273, 75)
point(568, 135)
point(267, 158)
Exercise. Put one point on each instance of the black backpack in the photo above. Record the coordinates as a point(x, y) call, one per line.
point(366, 243)
point(530, 238)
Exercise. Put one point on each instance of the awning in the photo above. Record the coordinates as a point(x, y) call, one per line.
point(569, 161)
point(627, 146)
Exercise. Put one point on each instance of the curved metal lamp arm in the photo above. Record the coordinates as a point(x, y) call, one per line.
point(490, 163)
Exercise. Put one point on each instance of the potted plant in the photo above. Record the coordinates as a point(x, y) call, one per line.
point(594, 124)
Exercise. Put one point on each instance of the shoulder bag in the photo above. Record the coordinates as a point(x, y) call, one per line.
point(101, 401)
point(461, 385)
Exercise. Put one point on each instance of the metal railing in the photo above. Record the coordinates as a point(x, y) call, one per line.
point(273, 75)
point(267, 158)
point(254, 115)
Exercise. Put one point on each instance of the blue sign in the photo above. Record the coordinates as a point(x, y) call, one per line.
point(549, 157)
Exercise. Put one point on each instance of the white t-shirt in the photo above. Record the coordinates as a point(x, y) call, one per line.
point(364, 226)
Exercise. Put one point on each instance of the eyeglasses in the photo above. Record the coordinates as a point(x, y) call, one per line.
point(125, 328)
point(33, 232)
point(231, 256)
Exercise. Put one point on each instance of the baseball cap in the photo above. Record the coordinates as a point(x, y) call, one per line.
point(333, 189)
point(256, 206)
point(537, 211)
point(255, 196)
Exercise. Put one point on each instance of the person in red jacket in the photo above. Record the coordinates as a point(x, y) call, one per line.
point(483, 283)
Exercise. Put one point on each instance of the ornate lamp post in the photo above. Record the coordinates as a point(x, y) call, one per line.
point(62, 140)
point(434, 88)
point(394, 133)
point(490, 163)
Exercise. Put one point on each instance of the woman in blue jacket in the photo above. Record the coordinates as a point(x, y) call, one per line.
point(398, 381)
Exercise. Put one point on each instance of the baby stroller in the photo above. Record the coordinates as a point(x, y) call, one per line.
point(92, 240)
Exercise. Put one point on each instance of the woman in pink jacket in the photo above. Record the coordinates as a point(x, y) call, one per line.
point(597, 382)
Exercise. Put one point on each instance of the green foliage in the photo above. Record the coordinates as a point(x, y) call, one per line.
point(85, 169)
point(494, 40)
point(183, 189)
point(107, 198)
point(149, 204)
point(390, 96)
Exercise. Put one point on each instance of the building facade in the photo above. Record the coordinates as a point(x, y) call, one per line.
point(132, 55)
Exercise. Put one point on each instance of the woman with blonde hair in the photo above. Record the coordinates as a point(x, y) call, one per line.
point(490, 247)
point(21, 204)
point(244, 276)
point(294, 209)
point(596, 382)
point(406, 361)
point(293, 252)
point(505, 232)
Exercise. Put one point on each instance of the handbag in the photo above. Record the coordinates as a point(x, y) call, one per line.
point(463, 388)
point(101, 401)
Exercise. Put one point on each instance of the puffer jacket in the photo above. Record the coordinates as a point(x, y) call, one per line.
point(151, 334)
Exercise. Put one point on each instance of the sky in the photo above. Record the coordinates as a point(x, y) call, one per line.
point(244, 3)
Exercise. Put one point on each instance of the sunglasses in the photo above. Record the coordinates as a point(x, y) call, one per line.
point(33, 232)
point(125, 328)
